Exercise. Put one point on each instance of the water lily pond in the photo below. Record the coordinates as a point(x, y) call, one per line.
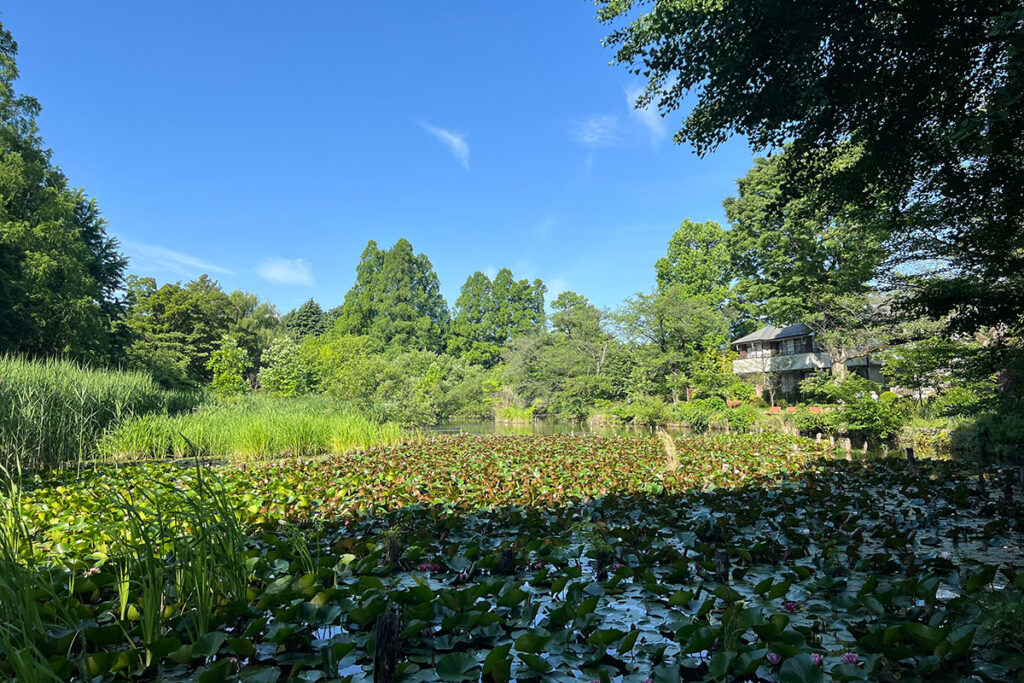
point(558, 557)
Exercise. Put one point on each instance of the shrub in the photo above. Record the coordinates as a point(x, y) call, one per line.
point(283, 373)
point(743, 417)
point(229, 363)
point(650, 410)
point(700, 413)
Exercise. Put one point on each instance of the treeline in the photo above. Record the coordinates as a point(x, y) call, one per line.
point(793, 252)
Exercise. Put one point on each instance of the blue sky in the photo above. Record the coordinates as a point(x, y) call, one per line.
point(265, 143)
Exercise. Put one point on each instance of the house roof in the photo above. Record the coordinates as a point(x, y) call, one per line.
point(773, 333)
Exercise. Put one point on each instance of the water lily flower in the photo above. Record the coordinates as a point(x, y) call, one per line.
point(616, 567)
point(851, 658)
point(774, 658)
point(817, 659)
point(789, 606)
point(538, 565)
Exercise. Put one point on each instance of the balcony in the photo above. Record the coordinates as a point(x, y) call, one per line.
point(776, 362)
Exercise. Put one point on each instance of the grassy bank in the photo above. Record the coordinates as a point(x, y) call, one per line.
point(52, 413)
point(254, 427)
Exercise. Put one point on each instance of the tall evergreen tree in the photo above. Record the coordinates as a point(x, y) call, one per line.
point(307, 319)
point(60, 273)
point(489, 313)
point(396, 300)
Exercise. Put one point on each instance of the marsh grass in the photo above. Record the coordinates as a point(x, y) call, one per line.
point(253, 428)
point(53, 412)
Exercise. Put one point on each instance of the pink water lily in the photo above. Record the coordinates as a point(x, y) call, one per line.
point(774, 658)
point(851, 658)
point(817, 659)
point(429, 567)
point(789, 606)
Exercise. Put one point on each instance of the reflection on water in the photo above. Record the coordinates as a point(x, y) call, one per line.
point(544, 427)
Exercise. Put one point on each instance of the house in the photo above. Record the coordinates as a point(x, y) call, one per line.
point(791, 354)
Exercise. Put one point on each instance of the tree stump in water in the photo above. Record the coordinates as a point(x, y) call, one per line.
point(506, 561)
point(722, 567)
point(385, 655)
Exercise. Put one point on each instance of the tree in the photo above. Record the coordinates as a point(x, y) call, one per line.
point(252, 323)
point(928, 92)
point(806, 260)
point(60, 273)
point(668, 330)
point(698, 262)
point(489, 313)
point(175, 328)
point(396, 300)
point(283, 373)
point(922, 365)
point(307, 319)
point(228, 365)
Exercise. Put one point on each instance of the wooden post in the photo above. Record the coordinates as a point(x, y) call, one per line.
point(848, 447)
point(831, 441)
point(865, 449)
point(385, 654)
point(817, 438)
point(722, 567)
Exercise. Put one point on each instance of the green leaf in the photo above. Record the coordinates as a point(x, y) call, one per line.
point(498, 664)
point(800, 669)
point(532, 642)
point(536, 663)
point(456, 666)
point(628, 642)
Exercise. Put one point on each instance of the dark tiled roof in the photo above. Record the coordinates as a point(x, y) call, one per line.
point(773, 333)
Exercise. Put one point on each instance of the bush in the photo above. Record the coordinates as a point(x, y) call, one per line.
point(742, 418)
point(700, 413)
point(650, 410)
point(229, 363)
point(284, 373)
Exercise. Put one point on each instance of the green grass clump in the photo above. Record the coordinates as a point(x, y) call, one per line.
point(253, 428)
point(52, 412)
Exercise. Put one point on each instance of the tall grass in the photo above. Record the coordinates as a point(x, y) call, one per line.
point(53, 412)
point(252, 428)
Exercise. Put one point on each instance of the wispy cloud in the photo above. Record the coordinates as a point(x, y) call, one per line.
point(648, 117)
point(455, 142)
point(596, 131)
point(286, 271)
point(150, 257)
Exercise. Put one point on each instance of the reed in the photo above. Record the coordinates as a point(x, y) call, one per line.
point(52, 413)
point(253, 428)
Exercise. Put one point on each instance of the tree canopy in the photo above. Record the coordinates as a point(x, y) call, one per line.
point(60, 273)
point(929, 92)
point(396, 300)
point(489, 313)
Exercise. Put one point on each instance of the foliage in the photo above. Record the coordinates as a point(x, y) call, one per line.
point(307, 319)
point(283, 373)
point(942, 166)
point(229, 364)
point(415, 387)
point(396, 300)
point(612, 571)
point(53, 412)
point(175, 328)
point(60, 273)
point(924, 364)
point(697, 260)
point(489, 313)
point(252, 428)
